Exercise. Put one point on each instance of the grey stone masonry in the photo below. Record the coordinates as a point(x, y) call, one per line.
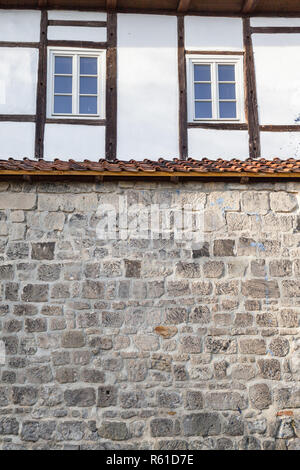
point(155, 341)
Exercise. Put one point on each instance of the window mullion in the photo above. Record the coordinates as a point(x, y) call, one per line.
point(215, 91)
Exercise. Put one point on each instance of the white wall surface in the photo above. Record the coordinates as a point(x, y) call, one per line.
point(212, 33)
point(76, 15)
point(215, 144)
point(18, 80)
point(147, 87)
point(20, 25)
point(275, 21)
point(277, 66)
point(17, 140)
point(75, 141)
point(77, 33)
point(280, 144)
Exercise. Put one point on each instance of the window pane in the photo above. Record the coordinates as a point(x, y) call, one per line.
point(88, 85)
point(88, 66)
point(62, 84)
point(203, 109)
point(227, 91)
point(202, 73)
point(63, 64)
point(227, 109)
point(203, 91)
point(226, 73)
point(88, 105)
point(63, 104)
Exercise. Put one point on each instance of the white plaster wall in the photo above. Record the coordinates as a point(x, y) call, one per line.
point(280, 144)
point(211, 33)
point(75, 141)
point(274, 21)
point(18, 80)
point(17, 140)
point(147, 87)
point(215, 144)
point(20, 25)
point(76, 15)
point(77, 33)
point(277, 66)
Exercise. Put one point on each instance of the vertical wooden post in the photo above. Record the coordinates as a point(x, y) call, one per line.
point(41, 88)
point(111, 87)
point(251, 95)
point(183, 140)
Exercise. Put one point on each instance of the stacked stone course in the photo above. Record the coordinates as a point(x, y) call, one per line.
point(149, 343)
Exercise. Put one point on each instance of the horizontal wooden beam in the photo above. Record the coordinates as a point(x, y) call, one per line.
point(214, 52)
point(79, 44)
point(219, 125)
point(275, 30)
point(85, 24)
point(19, 44)
point(17, 117)
point(158, 174)
point(83, 122)
point(183, 5)
point(280, 128)
point(249, 6)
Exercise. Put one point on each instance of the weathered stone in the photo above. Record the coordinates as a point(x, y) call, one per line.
point(112, 319)
point(280, 268)
point(107, 396)
point(255, 202)
point(281, 201)
point(224, 248)
point(260, 396)
point(24, 395)
point(220, 346)
point(279, 346)
point(39, 374)
point(176, 315)
point(18, 250)
point(132, 268)
point(193, 400)
point(43, 251)
point(200, 314)
point(9, 426)
point(225, 401)
point(166, 399)
point(147, 342)
point(6, 272)
point(114, 430)
point(80, 397)
point(269, 369)
point(166, 331)
point(35, 325)
point(258, 289)
point(137, 370)
point(35, 293)
point(93, 290)
point(249, 443)
point(252, 346)
point(291, 288)
point(188, 270)
point(191, 344)
point(70, 431)
point(234, 425)
point(213, 269)
point(201, 424)
point(162, 427)
point(72, 339)
point(25, 201)
point(49, 272)
point(65, 375)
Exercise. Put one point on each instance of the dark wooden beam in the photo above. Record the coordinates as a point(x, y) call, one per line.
point(19, 44)
point(111, 88)
point(85, 24)
point(276, 30)
point(17, 117)
point(41, 88)
point(79, 44)
point(219, 125)
point(82, 122)
point(111, 4)
point(280, 128)
point(183, 5)
point(214, 52)
point(249, 6)
point(250, 92)
point(183, 138)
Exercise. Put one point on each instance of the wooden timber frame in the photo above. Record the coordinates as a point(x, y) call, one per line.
point(251, 125)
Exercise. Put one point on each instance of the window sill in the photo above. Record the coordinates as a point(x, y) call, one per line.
point(82, 121)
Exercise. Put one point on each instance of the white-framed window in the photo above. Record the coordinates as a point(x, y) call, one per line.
point(76, 83)
point(215, 88)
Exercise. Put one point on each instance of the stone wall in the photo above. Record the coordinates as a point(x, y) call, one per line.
point(149, 343)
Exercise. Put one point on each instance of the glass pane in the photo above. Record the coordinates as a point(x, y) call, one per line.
point(226, 73)
point(227, 109)
point(227, 91)
point(203, 109)
point(88, 105)
point(62, 84)
point(88, 65)
point(88, 85)
point(63, 104)
point(202, 73)
point(203, 91)
point(63, 64)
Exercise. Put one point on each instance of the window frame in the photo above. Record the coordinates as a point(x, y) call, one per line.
point(76, 53)
point(214, 61)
